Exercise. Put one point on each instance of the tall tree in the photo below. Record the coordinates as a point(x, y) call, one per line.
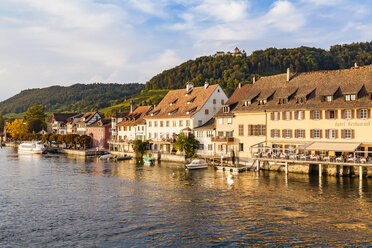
point(16, 129)
point(186, 143)
point(2, 123)
point(34, 113)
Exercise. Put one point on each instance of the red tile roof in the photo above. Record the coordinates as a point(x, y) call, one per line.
point(136, 117)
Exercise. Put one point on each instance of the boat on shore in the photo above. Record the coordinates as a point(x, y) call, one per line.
point(149, 161)
point(32, 147)
point(124, 158)
point(106, 156)
point(197, 164)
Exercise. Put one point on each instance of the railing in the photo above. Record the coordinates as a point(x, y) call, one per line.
point(222, 139)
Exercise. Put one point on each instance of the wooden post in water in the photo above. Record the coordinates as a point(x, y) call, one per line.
point(286, 168)
point(360, 172)
point(320, 170)
point(258, 165)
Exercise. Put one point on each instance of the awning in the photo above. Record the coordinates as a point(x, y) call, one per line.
point(333, 146)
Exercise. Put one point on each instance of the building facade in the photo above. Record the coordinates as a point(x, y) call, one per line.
point(57, 123)
point(100, 133)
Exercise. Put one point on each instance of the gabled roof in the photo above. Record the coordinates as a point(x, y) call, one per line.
point(209, 125)
point(238, 95)
point(62, 117)
point(101, 123)
point(120, 114)
point(349, 81)
point(183, 101)
point(89, 115)
point(136, 117)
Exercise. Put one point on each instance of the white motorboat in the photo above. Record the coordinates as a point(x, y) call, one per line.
point(106, 156)
point(34, 147)
point(197, 164)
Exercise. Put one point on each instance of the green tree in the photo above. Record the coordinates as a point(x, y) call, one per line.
point(34, 113)
point(186, 143)
point(83, 140)
point(140, 147)
point(2, 123)
point(35, 125)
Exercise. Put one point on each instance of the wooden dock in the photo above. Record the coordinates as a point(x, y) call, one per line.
point(234, 168)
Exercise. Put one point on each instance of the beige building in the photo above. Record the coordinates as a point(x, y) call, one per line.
point(322, 115)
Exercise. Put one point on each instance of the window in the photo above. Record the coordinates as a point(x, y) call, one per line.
point(155, 123)
point(276, 148)
point(262, 102)
point(331, 134)
point(199, 134)
point(347, 114)
point(201, 147)
point(155, 135)
point(300, 100)
point(229, 134)
point(200, 122)
point(174, 123)
point(300, 133)
point(260, 130)
point(316, 133)
point(246, 103)
point(161, 123)
point(331, 114)
point(316, 115)
point(209, 134)
point(326, 98)
point(363, 114)
point(226, 109)
point(187, 123)
point(214, 101)
point(222, 102)
point(275, 116)
point(287, 115)
point(250, 130)
point(220, 134)
point(275, 133)
point(300, 115)
point(282, 100)
point(207, 112)
point(229, 120)
point(241, 147)
point(220, 121)
point(149, 135)
point(241, 130)
point(180, 123)
point(347, 134)
point(167, 123)
point(210, 147)
point(287, 133)
point(350, 97)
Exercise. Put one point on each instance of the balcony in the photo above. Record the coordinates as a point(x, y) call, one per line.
point(223, 139)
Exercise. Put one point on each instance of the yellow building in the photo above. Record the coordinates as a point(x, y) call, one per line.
point(323, 115)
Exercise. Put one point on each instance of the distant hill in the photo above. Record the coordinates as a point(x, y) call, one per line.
point(150, 97)
point(75, 98)
point(228, 71)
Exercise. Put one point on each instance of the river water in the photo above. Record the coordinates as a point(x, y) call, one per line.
point(58, 201)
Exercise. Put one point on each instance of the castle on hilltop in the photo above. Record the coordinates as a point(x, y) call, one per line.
point(236, 53)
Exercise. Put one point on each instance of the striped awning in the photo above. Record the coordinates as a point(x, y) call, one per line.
point(333, 146)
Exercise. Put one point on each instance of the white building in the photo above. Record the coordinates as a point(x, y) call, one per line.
point(86, 120)
point(204, 135)
point(182, 110)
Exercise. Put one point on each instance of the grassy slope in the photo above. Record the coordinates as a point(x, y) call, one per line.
point(149, 97)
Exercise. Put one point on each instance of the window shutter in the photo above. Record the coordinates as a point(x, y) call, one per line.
point(272, 115)
point(255, 130)
point(311, 133)
point(343, 114)
point(304, 133)
point(336, 134)
point(283, 116)
point(272, 133)
point(283, 133)
point(311, 114)
point(326, 134)
point(279, 116)
point(264, 130)
point(352, 113)
point(342, 134)
point(290, 133)
point(296, 130)
point(358, 113)
point(336, 114)
point(327, 114)
point(303, 115)
point(249, 130)
point(369, 113)
point(320, 114)
point(290, 115)
point(296, 115)
point(320, 133)
point(353, 133)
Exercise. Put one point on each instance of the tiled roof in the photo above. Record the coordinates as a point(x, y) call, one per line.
point(238, 95)
point(209, 125)
point(136, 117)
point(322, 83)
point(61, 116)
point(101, 122)
point(120, 114)
point(89, 115)
point(182, 103)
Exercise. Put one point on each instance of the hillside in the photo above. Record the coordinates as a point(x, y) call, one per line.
point(75, 98)
point(151, 97)
point(228, 71)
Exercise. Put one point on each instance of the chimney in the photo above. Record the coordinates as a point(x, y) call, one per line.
point(189, 86)
point(131, 106)
point(206, 84)
point(254, 80)
point(288, 74)
point(239, 85)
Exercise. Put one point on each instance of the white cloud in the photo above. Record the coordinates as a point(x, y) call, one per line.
point(224, 10)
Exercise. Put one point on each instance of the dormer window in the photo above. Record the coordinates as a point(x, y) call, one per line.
point(173, 102)
point(155, 113)
point(246, 103)
point(226, 109)
point(300, 100)
point(172, 112)
point(191, 101)
point(282, 100)
point(327, 98)
point(188, 93)
point(350, 97)
point(190, 111)
point(262, 102)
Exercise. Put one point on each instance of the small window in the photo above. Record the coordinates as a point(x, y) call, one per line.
point(331, 114)
point(167, 123)
point(282, 100)
point(222, 102)
point(161, 123)
point(229, 120)
point(363, 114)
point(275, 116)
point(300, 100)
point(207, 112)
point(241, 130)
point(316, 133)
point(220, 121)
point(210, 147)
point(260, 130)
point(180, 123)
point(275, 133)
point(347, 133)
point(155, 123)
point(220, 134)
point(174, 123)
point(287, 133)
point(200, 122)
point(191, 101)
point(300, 133)
point(331, 134)
point(241, 147)
point(173, 102)
point(347, 114)
point(287, 115)
point(214, 101)
point(229, 134)
point(316, 115)
point(350, 97)
point(226, 109)
point(300, 115)
point(187, 123)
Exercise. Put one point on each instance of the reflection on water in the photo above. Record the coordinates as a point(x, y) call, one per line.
point(55, 200)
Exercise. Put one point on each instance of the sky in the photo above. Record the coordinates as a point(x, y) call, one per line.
point(63, 42)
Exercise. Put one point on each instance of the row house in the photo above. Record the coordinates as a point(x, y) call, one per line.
point(71, 124)
point(86, 120)
point(100, 133)
point(131, 128)
point(182, 110)
point(204, 134)
point(322, 112)
point(57, 123)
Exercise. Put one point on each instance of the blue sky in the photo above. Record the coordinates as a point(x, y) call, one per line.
point(50, 42)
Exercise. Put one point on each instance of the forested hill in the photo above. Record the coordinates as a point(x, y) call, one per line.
point(228, 71)
point(75, 98)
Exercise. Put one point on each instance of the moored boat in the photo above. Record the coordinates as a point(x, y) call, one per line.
point(33, 147)
point(106, 156)
point(149, 161)
point(197, 164)
point(124, 158)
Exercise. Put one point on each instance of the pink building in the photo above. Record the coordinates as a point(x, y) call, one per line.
point(100, 133)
